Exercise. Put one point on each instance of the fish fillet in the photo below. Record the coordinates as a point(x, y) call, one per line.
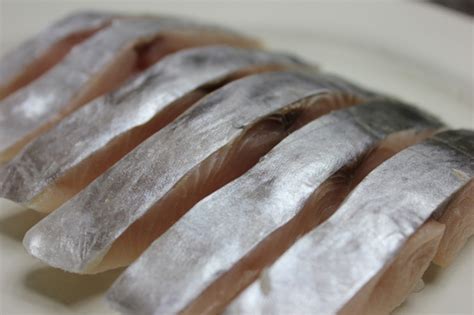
point(38, 54)
point(98, 65)
point(93, 138)
point(118, 215)
point(224, 241)
point(386, 292)
point(325, 270)
point(459, 221)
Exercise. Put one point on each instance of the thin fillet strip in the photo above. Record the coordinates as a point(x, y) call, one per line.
point(93, 138)
point(329, 266)
point(224, 241)
point(38, 54)
point(213, 142)
point(386, 292)
point(98, 65)
point(459, 221)
point(434, 239)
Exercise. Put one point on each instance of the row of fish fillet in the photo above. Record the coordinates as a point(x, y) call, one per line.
point(230, 178)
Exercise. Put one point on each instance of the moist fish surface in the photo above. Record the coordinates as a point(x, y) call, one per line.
point(36, 55)
point(220, 245)
point(90, 140)
point(459, 222)
point(386, 292)
point(111, 221)
point(98, 65)
point(326, 270)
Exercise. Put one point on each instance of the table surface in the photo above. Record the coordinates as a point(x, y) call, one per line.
point(419, 52)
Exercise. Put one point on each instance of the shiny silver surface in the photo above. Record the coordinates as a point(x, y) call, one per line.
point(321, 272)
point(89, 129)
point(15, 61)
point(78, 234)
point(226, 226)
point(40, 102)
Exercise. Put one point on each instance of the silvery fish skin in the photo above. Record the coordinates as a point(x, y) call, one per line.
point(77, 235)
point(459, 221)
point(94, 126)
point(17, 60)
point(42, 103)
point(329, 266)
point(226, 228)
point(385, 292)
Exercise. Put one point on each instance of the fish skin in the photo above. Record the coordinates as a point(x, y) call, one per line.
point(76, 235)
point(388, 290)
point(458, 217)
point(15, 61)
point(226, 226)
point(368, 230)
point(32, 107)
point(87, 130)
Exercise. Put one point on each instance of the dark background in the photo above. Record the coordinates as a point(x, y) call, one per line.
point(464, 6)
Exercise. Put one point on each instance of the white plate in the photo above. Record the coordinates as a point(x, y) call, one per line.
point(415, 51)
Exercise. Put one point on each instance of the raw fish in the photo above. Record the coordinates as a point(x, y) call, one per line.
point(225, 240)
point(38, 54)
point(93, 138)
point(96, 66)
point(118, 215)
point(331, 269)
